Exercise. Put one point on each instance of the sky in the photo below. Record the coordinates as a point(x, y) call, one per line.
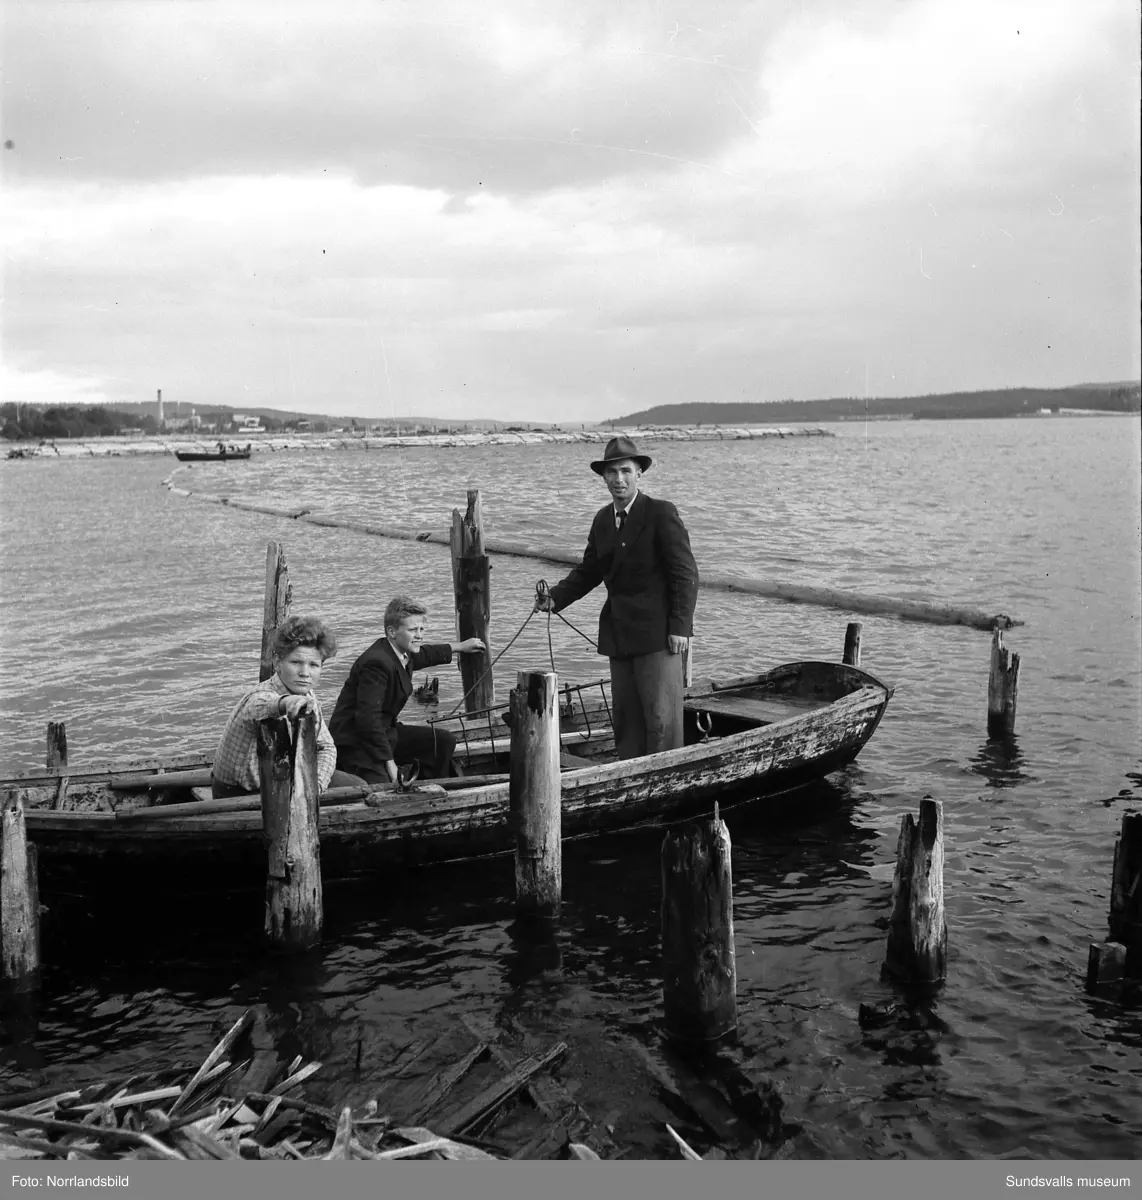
point(565, 211)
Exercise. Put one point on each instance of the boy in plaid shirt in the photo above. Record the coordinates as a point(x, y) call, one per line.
point(301, 646)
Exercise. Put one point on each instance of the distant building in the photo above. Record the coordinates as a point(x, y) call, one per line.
point(247, 424)
point(175, 424)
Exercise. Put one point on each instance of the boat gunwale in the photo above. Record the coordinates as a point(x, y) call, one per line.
point(345, 819)
point(99, 772)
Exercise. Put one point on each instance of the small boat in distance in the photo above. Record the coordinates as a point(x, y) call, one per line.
point(752, 740)
point(224, 453)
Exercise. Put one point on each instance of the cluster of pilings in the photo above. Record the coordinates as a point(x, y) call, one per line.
point(697, 925)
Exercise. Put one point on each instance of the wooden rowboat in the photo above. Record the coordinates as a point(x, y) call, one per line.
point(748, 740)
point(210, 455)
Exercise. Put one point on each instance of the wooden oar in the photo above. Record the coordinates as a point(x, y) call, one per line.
point(227, 804)
point(341, 795)
point(162, 779)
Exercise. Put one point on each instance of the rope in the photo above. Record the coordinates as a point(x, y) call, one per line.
point(495, 660)
point(541, 591)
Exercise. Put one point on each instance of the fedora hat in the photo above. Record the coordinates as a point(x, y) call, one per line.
point(618, 449)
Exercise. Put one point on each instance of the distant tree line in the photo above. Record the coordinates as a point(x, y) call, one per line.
point(69, 421)
point(1012, 402)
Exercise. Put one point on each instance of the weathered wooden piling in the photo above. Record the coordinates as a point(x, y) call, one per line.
point(57, 748)
point(288, 769)
point(1126, 892)
point(918, 932)
point(471, 580)
point(1002, 687)
point(279, 595)
point(851, 656)
point(1106, 963)
point(699, 971)
point(19, 898)
point(535, 793)
point(56, 760)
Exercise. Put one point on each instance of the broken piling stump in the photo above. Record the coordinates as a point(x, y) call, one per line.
point(56, 760)
point(851, 656)
point(471, 580)
point(278, 597)
point(57, 748)
point(917, 932)
point(1002, 688)
point(1126, 893)
point(19, 898)
point(288, 771)
point(1106, 963)
point(535, 793)
point(699, 972)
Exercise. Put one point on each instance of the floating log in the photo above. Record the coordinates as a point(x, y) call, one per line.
point(1002, 688)
point(19, 898)
point(288, 770)
point(851, 656)
point(278, 596)
point(471, 579)
point(918, 933)
point(908, 610)
point(535, 793)
point(1126, 892)
point(699, 972)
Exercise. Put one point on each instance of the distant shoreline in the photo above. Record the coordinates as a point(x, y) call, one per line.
point(124, 446)
point(121, 446)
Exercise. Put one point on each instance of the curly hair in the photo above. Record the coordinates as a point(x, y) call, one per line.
point(401, 607)
point(304, 631)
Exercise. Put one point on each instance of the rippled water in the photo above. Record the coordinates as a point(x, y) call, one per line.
point(134, 615)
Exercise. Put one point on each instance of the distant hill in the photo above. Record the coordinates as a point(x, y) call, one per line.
point(1012, 402)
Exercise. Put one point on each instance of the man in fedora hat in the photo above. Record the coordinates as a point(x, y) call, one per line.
point(640, 549)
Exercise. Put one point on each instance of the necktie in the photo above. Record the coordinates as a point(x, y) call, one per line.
point(622, 520)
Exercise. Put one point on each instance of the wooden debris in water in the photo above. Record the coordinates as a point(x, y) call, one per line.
point(202, 1118)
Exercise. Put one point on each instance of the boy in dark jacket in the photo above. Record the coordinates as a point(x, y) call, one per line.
point(371, 741)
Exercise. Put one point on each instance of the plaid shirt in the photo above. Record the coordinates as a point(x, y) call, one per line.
point(236, 759)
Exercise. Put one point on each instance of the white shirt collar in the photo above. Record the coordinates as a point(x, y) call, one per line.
point(630, 505)
point(401, 658)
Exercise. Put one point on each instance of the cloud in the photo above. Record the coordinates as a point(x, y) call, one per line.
point(557, 209)
point(509, 97)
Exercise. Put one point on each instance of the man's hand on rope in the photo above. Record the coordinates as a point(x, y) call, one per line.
point(543, 600)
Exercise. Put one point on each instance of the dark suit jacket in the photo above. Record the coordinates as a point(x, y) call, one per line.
point(650, 573)
point(371, 700)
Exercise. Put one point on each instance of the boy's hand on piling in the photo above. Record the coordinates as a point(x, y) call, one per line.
point(294, 706)
point(470, 644)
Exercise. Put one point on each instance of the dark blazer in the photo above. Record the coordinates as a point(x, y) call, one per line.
point(650, 573)
point(371, 700)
